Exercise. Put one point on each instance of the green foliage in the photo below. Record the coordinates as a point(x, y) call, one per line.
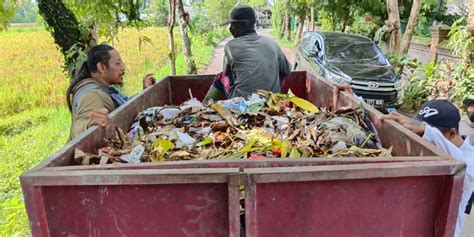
point(157, 12)
point(401, 62)
point(255, 3)
point(446, 79)
point(7, 11)
point(278, 14)
point(430, 11)
point(337, 15)
point(283, 42)
point(27, 138)
point(462, 44)
point(375, 8)
point(418, 88)
point(26, 13)
point(108, 16)
point(218, 11)
point(366, 26)
point(207, 29)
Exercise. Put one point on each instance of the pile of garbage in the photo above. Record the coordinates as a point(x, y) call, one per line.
point(266, 125)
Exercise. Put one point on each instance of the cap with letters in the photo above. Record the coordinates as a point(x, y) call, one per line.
point(439, 113)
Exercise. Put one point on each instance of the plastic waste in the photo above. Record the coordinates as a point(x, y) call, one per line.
point(134, 156)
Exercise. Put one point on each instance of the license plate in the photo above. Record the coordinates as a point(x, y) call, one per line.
point(374, 102)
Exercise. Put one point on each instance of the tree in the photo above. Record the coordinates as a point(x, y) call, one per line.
point(7, 12)
point(76, 25)
point(219, 10)
point(172, 48)
point(412, 21)
point(158, 11)
point(288, 12)
point(303, 9)
point(470, 25)
point(393, 24)
point(184, 25)
point(66, 30)
point(341, 12)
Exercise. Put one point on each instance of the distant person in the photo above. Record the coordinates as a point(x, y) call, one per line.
point(251, 61)
point(437, 121)
point(91, 95)
point(466, 127)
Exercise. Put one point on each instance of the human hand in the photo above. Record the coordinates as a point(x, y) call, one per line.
point(99, 117)
point(346, 87)
point(411, 124)
point(148, 80)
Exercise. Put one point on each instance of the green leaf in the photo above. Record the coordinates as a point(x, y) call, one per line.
point(248, 147)
point(160, 147)
point(304, 104)
point(285, 145)
point(206, 141)
point(165, 145)
point(294, 153)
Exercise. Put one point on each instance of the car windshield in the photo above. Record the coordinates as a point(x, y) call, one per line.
point(360, 52)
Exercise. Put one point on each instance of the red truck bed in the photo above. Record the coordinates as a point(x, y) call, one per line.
point(414, 193)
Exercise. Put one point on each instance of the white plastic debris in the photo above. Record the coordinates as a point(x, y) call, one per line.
point(184, 140)
point(134, 156)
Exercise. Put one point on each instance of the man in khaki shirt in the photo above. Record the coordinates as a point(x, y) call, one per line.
point(91, 95)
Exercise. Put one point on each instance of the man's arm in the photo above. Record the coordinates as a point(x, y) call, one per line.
point(428, 133)
point(214, 94)
point(92, 109)
point(283, 64)
point(148, 80)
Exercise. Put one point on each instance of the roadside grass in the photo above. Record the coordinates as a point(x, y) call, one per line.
point(27, 139)
point(283, 42)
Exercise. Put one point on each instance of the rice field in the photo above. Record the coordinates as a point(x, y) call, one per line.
point(31, 73)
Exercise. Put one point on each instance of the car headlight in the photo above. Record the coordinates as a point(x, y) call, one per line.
point(337, 78)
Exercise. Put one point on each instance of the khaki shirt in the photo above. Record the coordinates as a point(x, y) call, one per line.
point(90, 100)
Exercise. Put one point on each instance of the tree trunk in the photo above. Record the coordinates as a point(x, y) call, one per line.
point(412, 21)
point(393, 25)
point(284, 24)
point(171, 21)
point(299, 31)
point(65, 30)
point(333, 21)
point(183, 25)
point(288, 28)
point(311, 27)
point(344, 25)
